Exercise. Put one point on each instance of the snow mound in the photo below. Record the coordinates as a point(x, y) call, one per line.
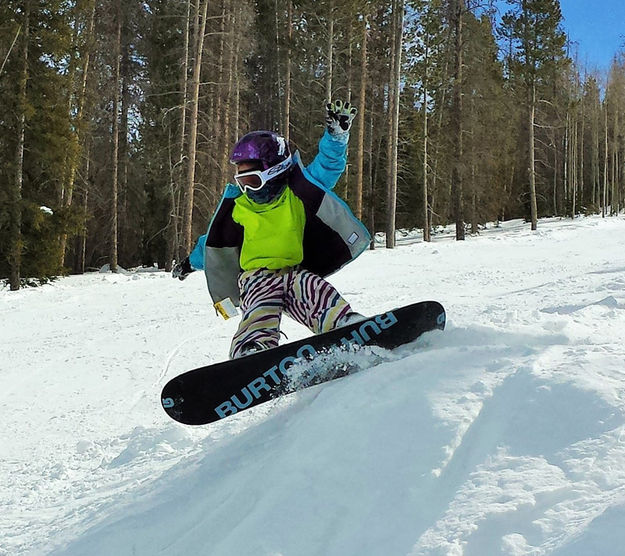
point(504, 434)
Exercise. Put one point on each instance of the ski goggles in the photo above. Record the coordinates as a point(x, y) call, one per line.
point(255, 180)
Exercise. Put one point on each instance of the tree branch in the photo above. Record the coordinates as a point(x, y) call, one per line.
point(11, 48)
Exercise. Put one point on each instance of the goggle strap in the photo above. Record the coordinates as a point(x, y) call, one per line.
point(264, 175)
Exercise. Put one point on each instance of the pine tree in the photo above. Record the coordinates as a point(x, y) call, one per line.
point(615, 132)
point(534, 27)
point(427, 55)
point(397, 15)
point(35, 125)
point(488, 127)
point(15, 214)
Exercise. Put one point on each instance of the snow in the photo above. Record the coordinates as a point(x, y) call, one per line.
point(504, 434)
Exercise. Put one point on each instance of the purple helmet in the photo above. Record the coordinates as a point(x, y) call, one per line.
point(266, 146)
point(272, 151)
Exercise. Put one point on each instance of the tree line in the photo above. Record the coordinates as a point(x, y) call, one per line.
point(117, 118)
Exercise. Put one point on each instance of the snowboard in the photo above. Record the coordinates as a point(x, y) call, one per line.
point(217, 391)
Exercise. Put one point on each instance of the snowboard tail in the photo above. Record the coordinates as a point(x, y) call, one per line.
point(213, 392)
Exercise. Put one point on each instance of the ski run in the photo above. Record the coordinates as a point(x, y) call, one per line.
point(504, 434)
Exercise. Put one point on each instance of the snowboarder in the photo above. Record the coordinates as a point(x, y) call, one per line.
point(277, 234)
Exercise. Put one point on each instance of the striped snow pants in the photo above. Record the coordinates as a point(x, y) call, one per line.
point(302, 295)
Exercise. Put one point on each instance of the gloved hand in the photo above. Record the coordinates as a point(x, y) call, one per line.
point(182, 269)
point(340, 116)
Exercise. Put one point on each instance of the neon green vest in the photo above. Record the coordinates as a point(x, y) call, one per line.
point(273, 233)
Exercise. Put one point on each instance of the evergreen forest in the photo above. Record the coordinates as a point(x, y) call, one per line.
point(117, 118)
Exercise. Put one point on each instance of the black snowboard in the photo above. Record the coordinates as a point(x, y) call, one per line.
point(216, 391)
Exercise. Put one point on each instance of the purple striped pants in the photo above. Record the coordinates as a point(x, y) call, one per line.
point(302, 295)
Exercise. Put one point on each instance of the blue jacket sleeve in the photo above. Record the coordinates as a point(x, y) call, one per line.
point(196, 258)
point(330, 162)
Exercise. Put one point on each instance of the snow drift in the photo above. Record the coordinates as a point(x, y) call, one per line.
point(504, 434)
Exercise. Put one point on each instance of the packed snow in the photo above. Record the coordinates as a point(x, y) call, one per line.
point(504, 434)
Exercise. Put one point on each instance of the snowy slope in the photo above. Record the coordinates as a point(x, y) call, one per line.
point(505, 434)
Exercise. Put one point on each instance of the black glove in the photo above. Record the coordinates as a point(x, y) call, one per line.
point(340, 116)
point(182, 269)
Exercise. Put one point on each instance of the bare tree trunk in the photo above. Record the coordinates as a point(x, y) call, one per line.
point(532, 163)
point(218, 101)
point(567, 163)
point(287, 80)
point(394, 90)
point(614, 204)
point(580, 156)
point(439, 126)
point(17, 34)
point(457, 170)
point(555, 179)
point(370, 182)
point(123, 146)
point(75, 149)
point(360, 156)
point(85, 208)
point(605, 163)
point(184, 83)
point(195, 99)
point(237, 84)
point(596, 186)
point(15, 227)
point(345, 178)
point(472, 180)
point(115, 153)
point(574, 174)
point(425, 212)
point(350, 54)
point(597, 173)
point(278, 77)
point(83, 237)
point(330, 54)
point(227, 101)
point(177, 175)
point(613, 173)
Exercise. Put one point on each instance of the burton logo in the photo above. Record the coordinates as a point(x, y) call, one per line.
point(273, 376)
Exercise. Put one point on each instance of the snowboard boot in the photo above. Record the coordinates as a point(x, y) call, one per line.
point(350, 318)
point(251, 347)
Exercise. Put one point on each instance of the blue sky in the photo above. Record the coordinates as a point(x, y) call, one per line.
point(598, 28)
